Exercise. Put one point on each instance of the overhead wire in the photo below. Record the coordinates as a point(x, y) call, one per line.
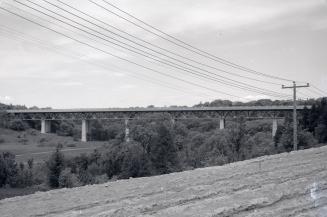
point(108, 53)
point(38, 42)
point(152, 44)
point(149, 55)
point(305, 95)
point(315, 92)
point(320, 90)
point(181, 43)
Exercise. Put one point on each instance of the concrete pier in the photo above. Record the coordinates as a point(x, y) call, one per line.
point(274, 127)
point(45, 126)
point(126, 131)
point(85, 130)
point(222, 123)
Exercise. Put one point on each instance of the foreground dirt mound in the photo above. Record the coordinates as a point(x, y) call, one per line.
point(290, 184)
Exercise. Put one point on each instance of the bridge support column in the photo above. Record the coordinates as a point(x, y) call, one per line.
point(45, 126)
point(173, 121)
point(274, 127)
point(126, 131)
point(85, 130)
point(222, 123)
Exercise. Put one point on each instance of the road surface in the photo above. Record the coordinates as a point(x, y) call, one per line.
point(289, 184)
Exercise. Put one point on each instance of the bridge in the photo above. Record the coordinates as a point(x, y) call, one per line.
point(86, 115)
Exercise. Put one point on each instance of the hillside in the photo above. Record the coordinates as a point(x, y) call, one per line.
point(32, 144)
point(289, 184)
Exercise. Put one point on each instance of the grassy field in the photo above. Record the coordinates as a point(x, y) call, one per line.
point(13, 192)
point(32, 144)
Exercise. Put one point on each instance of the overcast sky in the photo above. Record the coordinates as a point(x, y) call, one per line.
point(285, 38)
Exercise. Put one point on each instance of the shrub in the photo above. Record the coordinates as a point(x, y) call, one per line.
point(24, 177)
point(23, 139)
point(65, 129)
point(33, 132)
point(18, 125)
point(30, 163)
point(101, 179)
point(2, 140)
point(42, 140)
point(8, 169)
point(306, 139)
point(71, 145)
point(55, 165)
point(67, 179)
point(135, 162)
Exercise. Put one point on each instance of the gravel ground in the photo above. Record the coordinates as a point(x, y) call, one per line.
point(289, 184)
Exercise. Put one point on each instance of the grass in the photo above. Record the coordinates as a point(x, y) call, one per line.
point(13, 192)
point(32, 144)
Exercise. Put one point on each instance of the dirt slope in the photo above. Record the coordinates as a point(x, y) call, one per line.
point(293, 184)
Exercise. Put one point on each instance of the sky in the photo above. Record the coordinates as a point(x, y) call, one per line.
point(39, 67)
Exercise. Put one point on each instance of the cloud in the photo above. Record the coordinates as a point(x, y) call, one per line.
point(71, 84)
point(5, 98)
point(232, 14)
point(128, 86)
point(119, 74)
point(319, 25)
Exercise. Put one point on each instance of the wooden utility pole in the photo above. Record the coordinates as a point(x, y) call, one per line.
point(294, 111)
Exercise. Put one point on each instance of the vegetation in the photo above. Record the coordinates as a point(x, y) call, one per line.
point(162, 146)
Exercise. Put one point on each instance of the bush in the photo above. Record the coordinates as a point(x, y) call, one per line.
point(8, 169)
point(42, 140)
point(306, 140)
point(18, 125)
point(101, 179)
point(2, 140)
point(71, 145)
point(24, 177)
point(65, 129)
point(135, 162)
point(23, 139)
point(67, 179)
point(261, 143)
point(55, 165)
point(33, 132)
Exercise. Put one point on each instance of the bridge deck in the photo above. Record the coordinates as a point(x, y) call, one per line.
point(168, 109)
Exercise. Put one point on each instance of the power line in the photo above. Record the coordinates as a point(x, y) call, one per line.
point(181, 43)
point(169, 62)
point(149, 43)
point(315, 92)
point(60, 52)
point(108, 53)
point(322, 91)
point(37, 41)
point(305, 95)
point(149, 55)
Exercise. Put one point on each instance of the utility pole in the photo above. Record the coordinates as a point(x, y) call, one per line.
point(294, 111)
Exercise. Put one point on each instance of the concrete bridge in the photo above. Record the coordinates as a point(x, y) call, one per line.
point(221, 113)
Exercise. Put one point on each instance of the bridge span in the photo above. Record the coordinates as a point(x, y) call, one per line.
point(221, 113)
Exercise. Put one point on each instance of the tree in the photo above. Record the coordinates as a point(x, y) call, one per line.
point(55, 166)
point(67, 179)
point(216, 149)
point(18, 125)
point(238, 137)
point(8, 169)
point(135, 162)
point(163, 151)
point(65, 129)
